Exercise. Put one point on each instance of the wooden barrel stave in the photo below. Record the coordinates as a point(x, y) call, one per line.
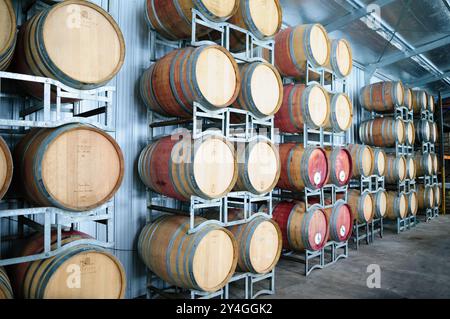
point(396, 170)
point(411, 170)
point(362, 206)
point(380, 162)
point(7, 33)
point(424, 164)
point(408, 101)
point(203, 261)
point(420, 101)
point(437, 196)
point(413, 203)
point(380, 204)
point(363, 160)
point(340, 166)
point(397, 205)
point(341, 58)
point(301, 230)
point(425, 196)
point(6, 291)
point(423, 131)
point(341, 113)
point(6, 168)
point(382, 96)
point(382, 132)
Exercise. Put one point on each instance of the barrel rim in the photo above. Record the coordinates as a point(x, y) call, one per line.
point(333, 57)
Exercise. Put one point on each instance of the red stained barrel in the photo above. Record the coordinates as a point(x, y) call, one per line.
point(340, 221)
point(340, 166)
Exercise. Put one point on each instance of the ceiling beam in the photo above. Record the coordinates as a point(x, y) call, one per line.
point(356, 14)
point(396, 57)
point(429, 79)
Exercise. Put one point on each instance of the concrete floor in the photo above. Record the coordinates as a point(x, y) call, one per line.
point(414, 264)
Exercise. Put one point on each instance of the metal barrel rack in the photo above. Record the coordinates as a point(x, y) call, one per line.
point(244, 130)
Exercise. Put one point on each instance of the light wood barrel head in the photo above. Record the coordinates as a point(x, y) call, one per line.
point(82, 167)
point(318, 105)
point(400, 93)
point(437, 196)
point(6, 168)
point(266, 16)
point(221, 9)
point(263, 166)
point(427, 130)
point(408, 98)
point(429, 163)
point(83, 41)
point(423, 98)
point(402, 168)
point(381, 162)
point(411, 167)
point(367, 159)
point(102, 277)
point(367, 206)
point(266, 89)
point(431, 103)
point(344, 111)
point(216, 76)
point(410, 133)
point(413, 204)
point(400, 131)
point(431, 198)
point(319, 44)
point(382, 202)
point(265, 247)
point(7, 25)
point(403, 205)
point(214, 166)
point(435, 163)
point(214, 259)
point(344, 57)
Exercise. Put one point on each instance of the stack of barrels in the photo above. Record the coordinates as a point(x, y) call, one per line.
point(210, 167)
point(75, 167)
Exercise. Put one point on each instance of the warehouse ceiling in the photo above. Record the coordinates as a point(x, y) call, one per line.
point(401, 29)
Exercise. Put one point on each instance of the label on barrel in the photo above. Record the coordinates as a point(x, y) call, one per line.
point(342, 176)
point(317, 178)
point(342, 231)
point(318, 238)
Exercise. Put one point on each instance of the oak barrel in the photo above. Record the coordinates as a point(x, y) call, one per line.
point(396, 170)
point(435, 162)
point(411, 170)
point(261, 89)
point(102, 276)
point(6, 167)
point(380, 204)
point(302, 167)
point(363, 160)
point(420, 101)
point(426, 198)
point(437, 196)
point(362, 205)
point(397, 205)
point(204, 260)
point(173, 18)
point(302, 105)
point(413, 203)
point(259, 166)
point(434, 130)
point(382, 132)
point(380, 162)
point(302, 230)
point(208, 75)
point(73, 167)
point(431, 103)
point(340, 221)
point(382, 96)
point(340, 166)
point(180, 167)
point(408, 101)
point(341, 58)
point(424, 164)
point(7, 33)
point(296, 46)
point(75, 42)
point(6, 291)
point(259, 245)
point(410, 133)
point(423, 131)
point(341, 113)
point(263, 18)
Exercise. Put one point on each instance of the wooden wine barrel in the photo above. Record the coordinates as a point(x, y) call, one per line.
point(431, 103)
point(434, 132)
point(435, 166)
point(302, 105)
point(302, 167)
point(382, 132)
point(379, 164)
point(75, 42)
point(362, 205)
point(261, 89)
point(363, 160)
point(203, 261)
point(341, 58)
point(259, 166)
point(73, 167)
point(380, 203)
point(341, 113)
point(423, 131)
point(397, 205)
point(173, 18)
point(6, 291)
point(411, 170)
point(7, 33)
point(262, 18)
point(208, 75)
point(259, 244)
point(410, 133)
point(408, 101)
point(340, 222)
point(181, 168)
point(382, 96)
point(302, 230)
point(6, 167)
point(396, 169)
point(420, 101)
point(437, 196)
point(424, 164)
point(102, 276)
point(425, 194)
point(339, 166)
point(295, 46)
point(413, 203)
